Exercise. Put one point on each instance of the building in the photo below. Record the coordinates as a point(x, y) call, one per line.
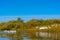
point(43, 27)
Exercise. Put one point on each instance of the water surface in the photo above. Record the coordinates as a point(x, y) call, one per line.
point(30, 35)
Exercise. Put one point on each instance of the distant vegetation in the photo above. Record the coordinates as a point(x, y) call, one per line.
point(31, 24)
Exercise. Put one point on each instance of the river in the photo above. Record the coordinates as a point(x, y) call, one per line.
point(30, 36)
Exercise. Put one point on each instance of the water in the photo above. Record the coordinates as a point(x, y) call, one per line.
point(30, 35)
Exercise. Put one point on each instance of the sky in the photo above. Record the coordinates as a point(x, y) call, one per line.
point(28, 9)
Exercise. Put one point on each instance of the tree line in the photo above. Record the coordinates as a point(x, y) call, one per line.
point(19, 23)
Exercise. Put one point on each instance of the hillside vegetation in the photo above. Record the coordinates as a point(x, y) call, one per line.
point(19, 24)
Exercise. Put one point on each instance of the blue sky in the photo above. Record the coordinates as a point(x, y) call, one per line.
point(30, 8)
point(26, 18)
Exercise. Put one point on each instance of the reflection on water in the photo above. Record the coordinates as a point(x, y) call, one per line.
point(30, 35)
